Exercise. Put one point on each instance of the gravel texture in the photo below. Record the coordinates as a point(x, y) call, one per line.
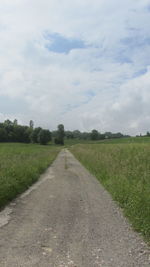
point(67, 219)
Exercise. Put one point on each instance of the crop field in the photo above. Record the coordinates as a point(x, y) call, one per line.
point(20, 166)
point(124, 170)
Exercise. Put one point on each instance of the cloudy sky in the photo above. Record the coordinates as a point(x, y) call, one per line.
point(83, 63)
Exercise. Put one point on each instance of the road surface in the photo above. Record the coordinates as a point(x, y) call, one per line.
point(67, 219)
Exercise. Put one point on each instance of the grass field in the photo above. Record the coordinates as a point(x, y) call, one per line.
point(124, 170)
point(128, 140)
point(69, 142)
point(20, 166)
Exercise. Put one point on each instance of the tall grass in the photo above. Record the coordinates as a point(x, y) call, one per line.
point(124, 140)
point(20, 166)
point(124, 170)
point(129, 140)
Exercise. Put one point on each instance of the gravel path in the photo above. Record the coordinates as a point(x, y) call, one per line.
point(67, 219)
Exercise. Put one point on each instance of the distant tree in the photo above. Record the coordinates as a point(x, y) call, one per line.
point(101, 136)
point(108, 135)
point(8, 126)
point(34, 134)
point(44, 136)
point(60, 135)
point(69, 135)
point(21, 134)
point(28, 133)
point(31, 124)
point(85, 136)
point(11, 137)
point(8, 122)
point(77, 134)
point(3, 135)
point(117, 135)
point(15, 122)
point(94, 135)
point(54, 134)
point(13, 132)
point(148, 134)
point(56, 141)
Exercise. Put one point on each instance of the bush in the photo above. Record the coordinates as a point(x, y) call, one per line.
point(58, 141)
point(44, 137)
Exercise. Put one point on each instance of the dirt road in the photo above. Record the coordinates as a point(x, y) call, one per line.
point(67, 219)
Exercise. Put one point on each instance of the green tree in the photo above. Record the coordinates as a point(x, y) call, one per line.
point(31, 124)
point(15, 122)
point(69, 135)
point(94, 135)
point(20, 134)
point(44, 136)
point(60, 135)
point(77, 134)
point(85, 136)
point(34, 134)
point(3, 135)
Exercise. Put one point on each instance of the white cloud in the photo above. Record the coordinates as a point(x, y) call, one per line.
point(94, 87)
point(128, 110)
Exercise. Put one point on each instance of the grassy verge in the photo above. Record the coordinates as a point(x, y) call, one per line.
point(20, 166)
point(124, 170)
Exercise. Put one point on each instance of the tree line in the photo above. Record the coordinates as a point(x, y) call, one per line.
point(11, 131)
point(93, 135)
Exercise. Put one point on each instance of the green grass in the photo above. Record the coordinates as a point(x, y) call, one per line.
point(124, 170)
point(74, 141)
point(128, 140)
point(20, 166)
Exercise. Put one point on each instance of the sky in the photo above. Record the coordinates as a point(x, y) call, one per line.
point(83, 63)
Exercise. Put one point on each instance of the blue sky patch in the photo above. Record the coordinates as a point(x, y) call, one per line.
point(136, 41)
point(90, 93)
point(60, 44)
point(123, 59)
point(140, 73)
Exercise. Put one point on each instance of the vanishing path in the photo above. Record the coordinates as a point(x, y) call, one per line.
point(67, 219)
